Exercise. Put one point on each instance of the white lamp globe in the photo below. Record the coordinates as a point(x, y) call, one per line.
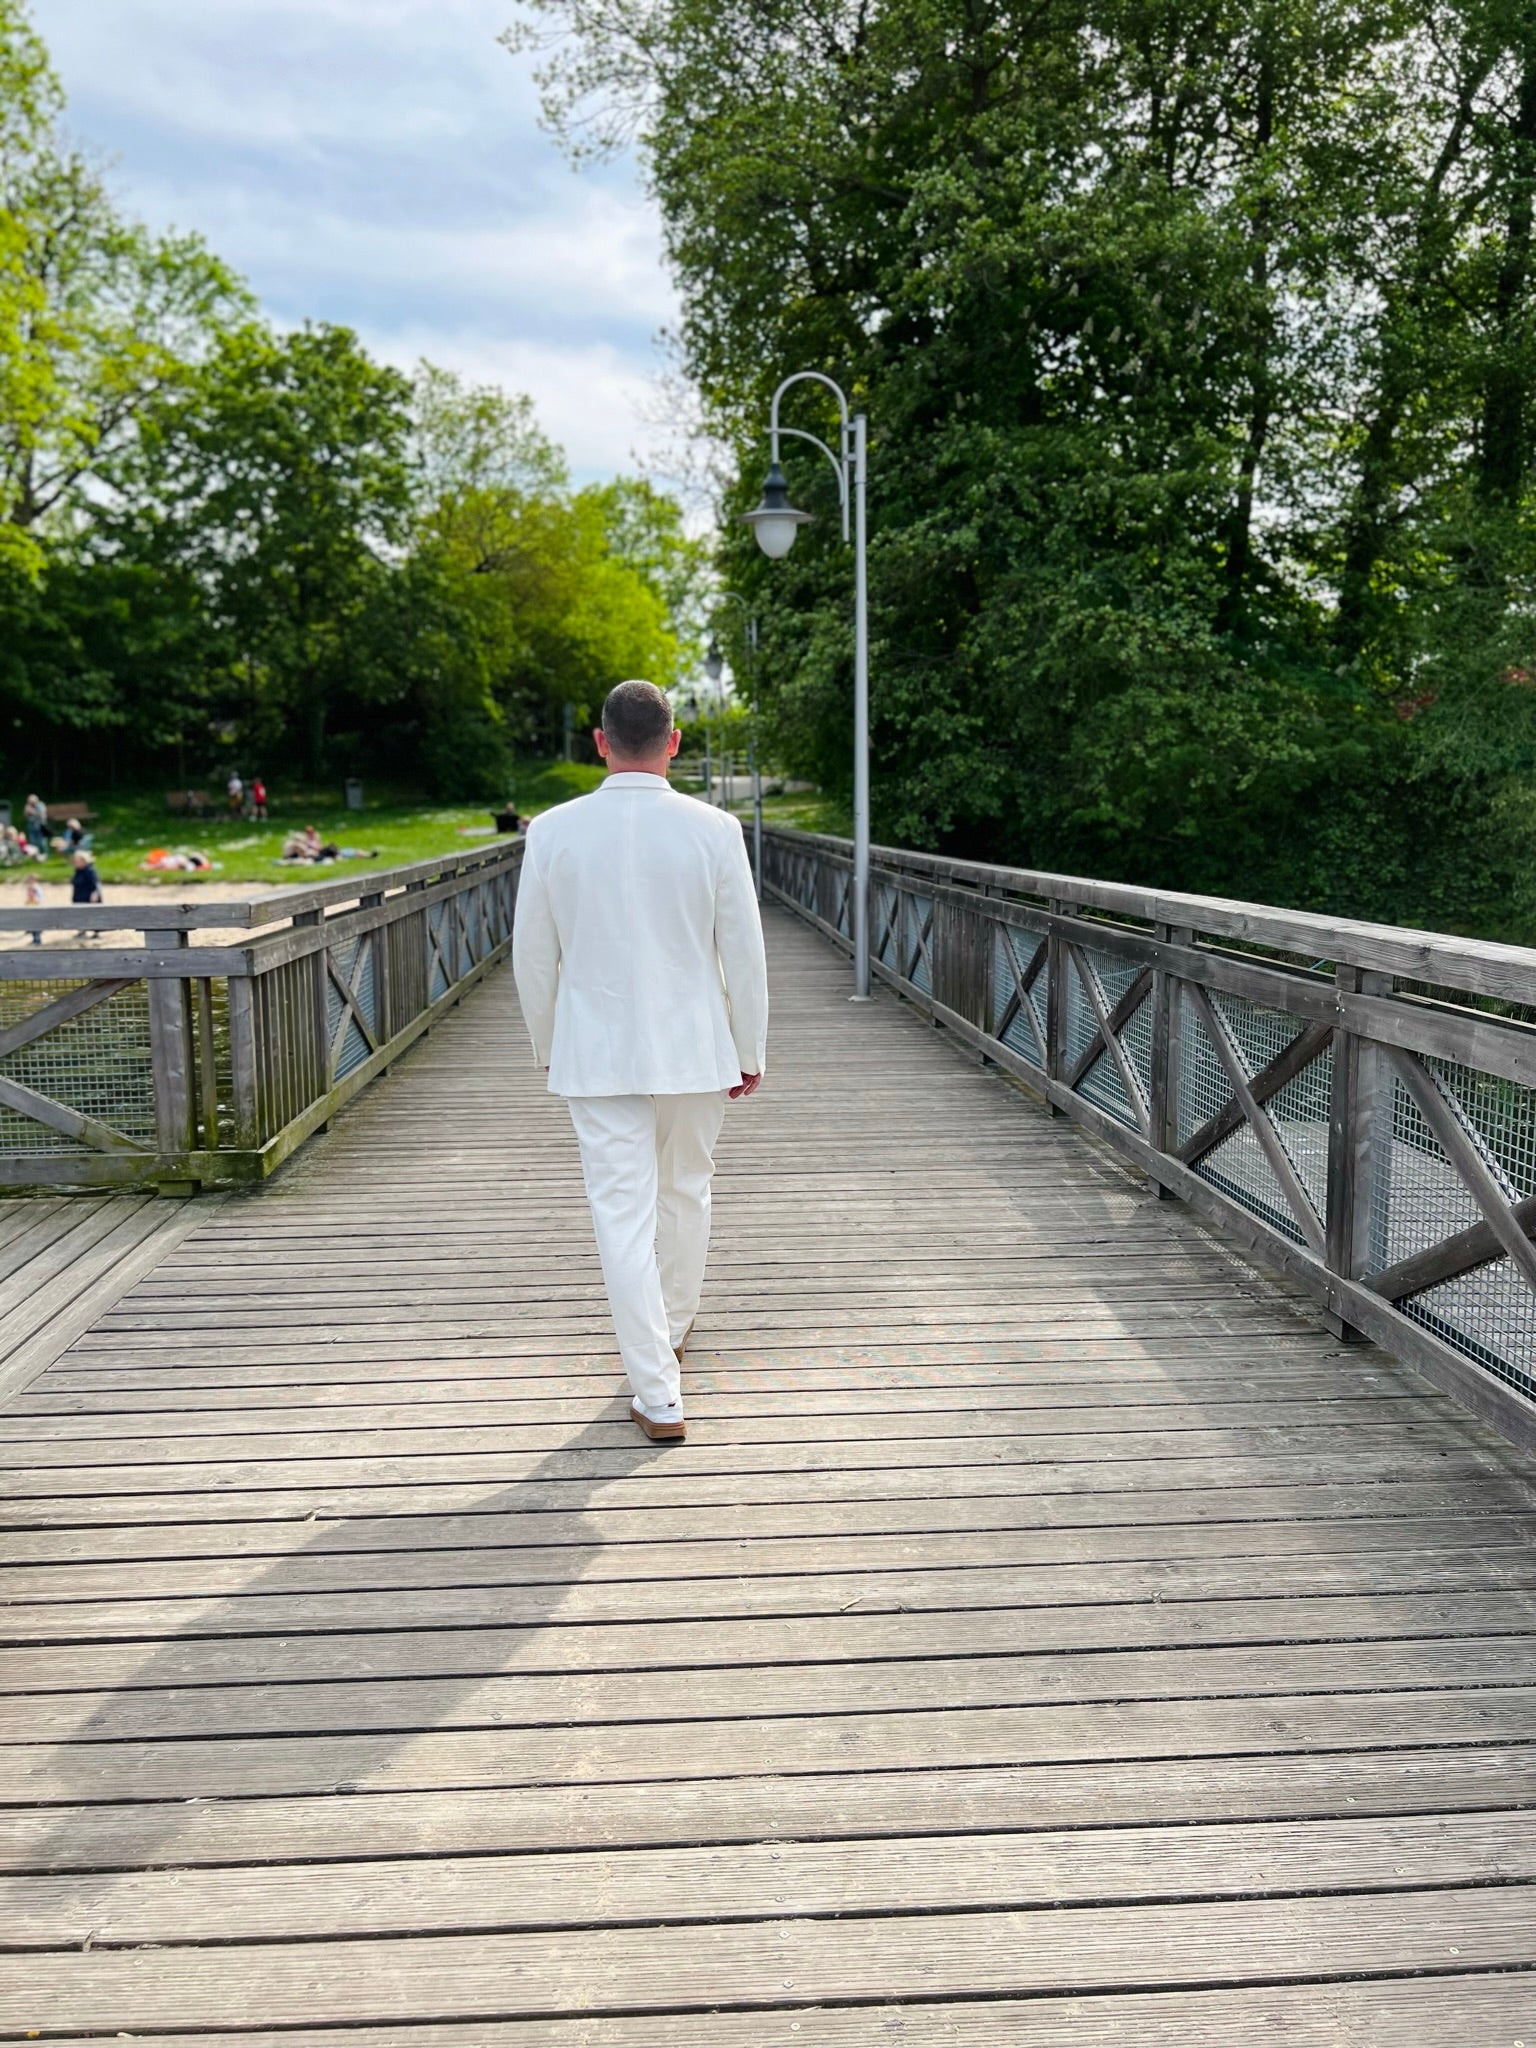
point(774, 520)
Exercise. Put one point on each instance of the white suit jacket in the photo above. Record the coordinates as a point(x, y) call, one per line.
point(637, 946)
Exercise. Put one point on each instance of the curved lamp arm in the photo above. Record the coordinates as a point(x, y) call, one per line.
point(775, 431)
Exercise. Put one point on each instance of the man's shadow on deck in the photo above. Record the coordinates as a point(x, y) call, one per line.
point(153, 1824)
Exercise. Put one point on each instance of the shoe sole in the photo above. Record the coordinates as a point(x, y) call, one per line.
point(659, 1432)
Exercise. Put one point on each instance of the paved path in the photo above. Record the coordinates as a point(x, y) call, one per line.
point(1048, 1635)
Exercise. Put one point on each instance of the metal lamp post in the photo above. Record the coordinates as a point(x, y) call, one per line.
point(714, 668)
point(775, 522)
point(754, 764)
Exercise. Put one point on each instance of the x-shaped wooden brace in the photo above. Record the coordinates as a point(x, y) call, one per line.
point(922, 931)
point(436, 928)
point(349, 988)
point(887, 910)
point(1110, 1022)
point(1245, 1107)
point(472, 922)
point(1024, 979)
point(42, 1109)
point(1506, 1225)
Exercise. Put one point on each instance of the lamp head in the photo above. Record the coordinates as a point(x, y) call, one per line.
point(774, 520)
point(714, 662)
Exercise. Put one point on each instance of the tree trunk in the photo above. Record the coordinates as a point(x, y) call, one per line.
point(1238, 565)
point(1504, 436)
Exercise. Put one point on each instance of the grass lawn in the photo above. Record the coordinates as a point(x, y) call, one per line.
point(401, 831)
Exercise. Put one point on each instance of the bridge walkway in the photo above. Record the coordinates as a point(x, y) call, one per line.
point(1048, 1635)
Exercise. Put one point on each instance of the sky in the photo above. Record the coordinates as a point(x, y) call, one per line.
point(379, 163)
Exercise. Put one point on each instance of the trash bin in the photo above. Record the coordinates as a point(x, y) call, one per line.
point(354, 793)
point(5, 811)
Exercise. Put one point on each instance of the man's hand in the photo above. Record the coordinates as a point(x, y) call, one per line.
point(748, 1083)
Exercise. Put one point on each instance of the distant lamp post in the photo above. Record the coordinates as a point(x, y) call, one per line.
point(713, 666)
point(775, 522)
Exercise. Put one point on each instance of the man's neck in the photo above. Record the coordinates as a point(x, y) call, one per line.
point(661, 768)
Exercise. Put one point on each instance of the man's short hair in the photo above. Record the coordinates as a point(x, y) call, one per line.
point(637, 719)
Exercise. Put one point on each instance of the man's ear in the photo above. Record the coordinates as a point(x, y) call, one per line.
point(674, 743)
point(600, 741)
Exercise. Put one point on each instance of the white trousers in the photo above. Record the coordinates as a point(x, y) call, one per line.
point(647, 1161)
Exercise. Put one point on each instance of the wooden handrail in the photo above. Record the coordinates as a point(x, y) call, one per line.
point(257, 912)
point(1480, 966)
point(1377, 1144)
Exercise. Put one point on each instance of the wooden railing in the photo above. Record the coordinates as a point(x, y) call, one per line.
point(185, 1062)
point(1355, 1101)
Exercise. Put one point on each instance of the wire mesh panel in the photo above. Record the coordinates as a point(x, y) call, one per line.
point(442, 939)
point(351, 1002)
point(1299, 1112)
point(917, 929)
point(1419, 1199)
point(1020, 955)
point(1238, 1165)
point(96, 1064)
point(1090, 974)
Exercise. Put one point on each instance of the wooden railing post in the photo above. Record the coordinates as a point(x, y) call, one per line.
point(1056, 1000)
point(309, 920)
point(1167, 1056)
point(244, 1064)
point(1353, 1153)
point(170, 1052)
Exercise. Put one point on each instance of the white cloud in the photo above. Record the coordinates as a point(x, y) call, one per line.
point(379, 163)
point(593, 400)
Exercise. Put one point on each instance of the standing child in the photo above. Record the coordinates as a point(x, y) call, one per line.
point(87, 883)
point(258, 798)
point(32, 891)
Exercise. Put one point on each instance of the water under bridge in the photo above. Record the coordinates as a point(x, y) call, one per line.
point(1078, 1616)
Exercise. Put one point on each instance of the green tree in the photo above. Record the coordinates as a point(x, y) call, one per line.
point(1198, 353)
point(278, 478)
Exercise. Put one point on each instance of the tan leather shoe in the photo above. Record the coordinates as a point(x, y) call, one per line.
point(679, 1349)
point(658, 1432)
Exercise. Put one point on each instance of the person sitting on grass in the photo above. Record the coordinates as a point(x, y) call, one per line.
point(306, 844)
point(86, 886)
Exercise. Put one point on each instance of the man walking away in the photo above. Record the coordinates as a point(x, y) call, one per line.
point(638, 953)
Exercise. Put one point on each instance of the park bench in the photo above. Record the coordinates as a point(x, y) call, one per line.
point(60, 814)
point(189, 803)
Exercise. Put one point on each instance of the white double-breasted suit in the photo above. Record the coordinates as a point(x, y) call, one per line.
point(638, 953)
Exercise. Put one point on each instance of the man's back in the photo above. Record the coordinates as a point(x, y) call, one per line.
point(637, 946)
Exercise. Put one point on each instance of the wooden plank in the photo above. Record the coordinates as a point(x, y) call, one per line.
point(336, 1689)
point(753, 1965)
point(132, 1426)
point(1452, 2011)
point(1346, 1583)
point(387, 1758)
point(770, 1881)
point(851, 1803)
point(358, 1558)
point(365, 1432)
point(247, 1528)
point(39, 1326)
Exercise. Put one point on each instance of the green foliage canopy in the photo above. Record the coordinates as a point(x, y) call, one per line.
point(227, 545)
point(1198, 349)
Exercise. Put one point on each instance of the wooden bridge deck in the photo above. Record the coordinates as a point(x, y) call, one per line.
point(1048, 1635)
